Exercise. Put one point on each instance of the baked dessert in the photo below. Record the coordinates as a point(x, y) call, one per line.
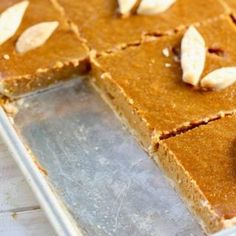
point(60, 57)
point(104, 29)
point(201, 162)
point(143, 83)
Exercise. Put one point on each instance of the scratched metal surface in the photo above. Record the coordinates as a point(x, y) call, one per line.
point(105, 180)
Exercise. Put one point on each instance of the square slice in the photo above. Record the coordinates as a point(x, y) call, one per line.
point(202, 164)
point(104, 29)
point(146, 88)
point(60, 57)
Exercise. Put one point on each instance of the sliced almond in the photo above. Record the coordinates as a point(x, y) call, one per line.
point(126, 6)
point(10, 20)
point(193, 56)
point(166, 52)
point(219, 79)
point(151, 7)
point(35, 36)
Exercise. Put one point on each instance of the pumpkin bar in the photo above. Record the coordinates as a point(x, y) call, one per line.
point(202, 164)
point(59, 58)
point(144, 83)
point(104, 29)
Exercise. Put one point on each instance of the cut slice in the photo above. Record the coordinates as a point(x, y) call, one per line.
point(105, 30)
point(48, 64)
point(202, 164)
point(151, 97)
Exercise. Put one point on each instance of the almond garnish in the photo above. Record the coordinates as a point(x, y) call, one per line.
point(35, 36)
point(151, 7)
point(126, 6)
point(10, 20)
point(193, 56)
point(219, 79)
point(6, 57)
point(166, 52)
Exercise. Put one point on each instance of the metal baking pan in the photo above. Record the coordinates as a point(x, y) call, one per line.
point(89, 174)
